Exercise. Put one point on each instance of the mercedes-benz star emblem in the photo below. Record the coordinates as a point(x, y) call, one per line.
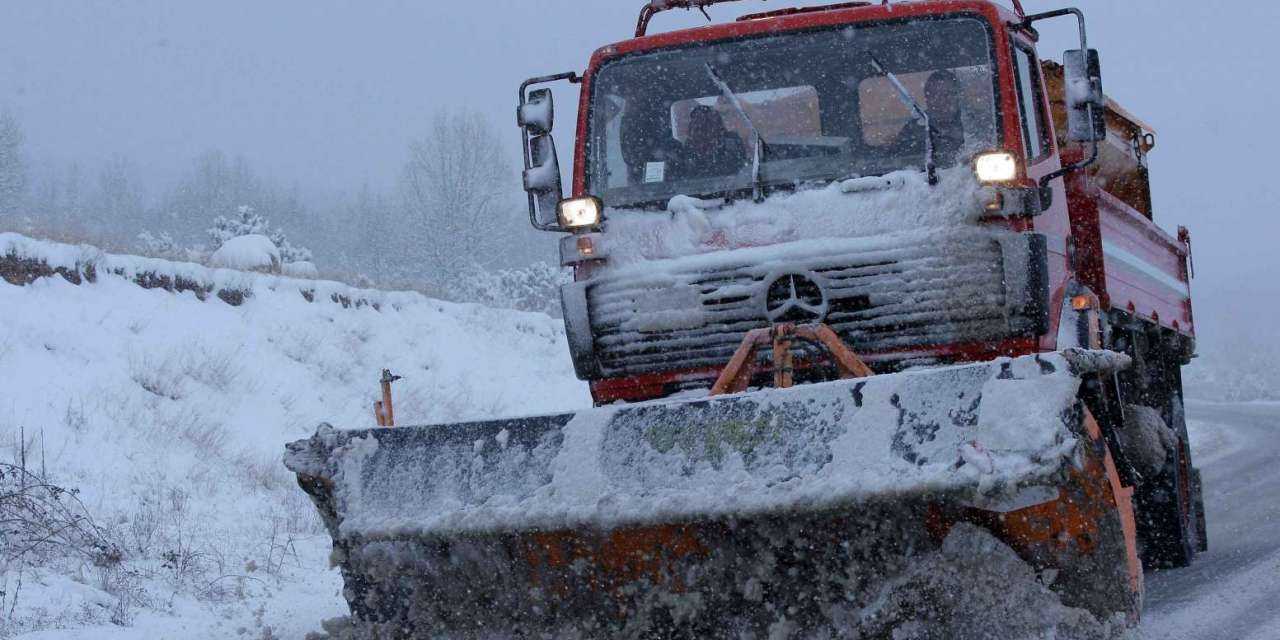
point(796, 297)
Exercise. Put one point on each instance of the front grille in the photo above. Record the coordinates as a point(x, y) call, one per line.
point(884, 293)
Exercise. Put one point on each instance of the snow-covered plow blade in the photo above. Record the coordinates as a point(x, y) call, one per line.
point(775, 513)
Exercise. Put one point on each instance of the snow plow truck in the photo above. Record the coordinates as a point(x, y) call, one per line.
point(847, 278)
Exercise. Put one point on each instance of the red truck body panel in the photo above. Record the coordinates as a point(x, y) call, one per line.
point(1145, 267)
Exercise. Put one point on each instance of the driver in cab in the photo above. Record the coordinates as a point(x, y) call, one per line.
point(710, 149)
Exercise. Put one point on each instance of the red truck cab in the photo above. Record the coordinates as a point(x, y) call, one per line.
point(1094, 222)
point(911, 174)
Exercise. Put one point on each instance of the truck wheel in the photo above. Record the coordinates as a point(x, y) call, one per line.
point(1169, 504)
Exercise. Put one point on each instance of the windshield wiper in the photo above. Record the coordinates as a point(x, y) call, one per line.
point(930, 167)
point(758, 144)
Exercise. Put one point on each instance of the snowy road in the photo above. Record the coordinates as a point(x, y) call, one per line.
point(1233, 591)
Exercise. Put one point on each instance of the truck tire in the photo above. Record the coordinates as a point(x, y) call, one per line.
point(1169, 509)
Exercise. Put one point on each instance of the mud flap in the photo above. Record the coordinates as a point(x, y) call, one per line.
point(1197, 492)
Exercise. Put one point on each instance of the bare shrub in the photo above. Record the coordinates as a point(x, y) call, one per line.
point(281, 548)
point(74, 417)
point(168, 376)
point(265, 472)
point(217, 369)
point(144, 525)
point(42, 520)
point(299, 346)
point(191, 426)
point(184, 562)
point(164, 379)
point(126, 586)
point(300, 515)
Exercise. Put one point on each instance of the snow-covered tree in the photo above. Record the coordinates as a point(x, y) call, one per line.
point(288, 251)
point(247, 221)
point(244, 222)
point(13, 167)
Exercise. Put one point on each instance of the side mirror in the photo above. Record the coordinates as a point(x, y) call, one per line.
point(1086, 103)
point(537, 114)
point(542, 181)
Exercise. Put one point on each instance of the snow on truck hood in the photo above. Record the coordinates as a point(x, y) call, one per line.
point(900, 201)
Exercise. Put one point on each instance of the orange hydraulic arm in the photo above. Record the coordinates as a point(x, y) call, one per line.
point(736, 376)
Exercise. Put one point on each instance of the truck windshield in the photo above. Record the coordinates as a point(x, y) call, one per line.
point(661, 126)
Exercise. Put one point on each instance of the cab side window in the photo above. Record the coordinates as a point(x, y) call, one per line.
point(1035, 130)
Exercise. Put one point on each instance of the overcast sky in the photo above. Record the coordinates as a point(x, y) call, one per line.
point(324, 93)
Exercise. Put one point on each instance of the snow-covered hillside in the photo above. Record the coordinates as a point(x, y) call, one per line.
point(168, 413)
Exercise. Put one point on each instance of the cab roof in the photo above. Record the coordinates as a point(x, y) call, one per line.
point(799, 18)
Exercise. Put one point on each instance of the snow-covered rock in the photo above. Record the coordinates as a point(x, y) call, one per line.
point(301, 270)
point(253, 252)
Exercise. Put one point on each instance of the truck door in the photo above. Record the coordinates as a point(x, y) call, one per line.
point(1040, 146)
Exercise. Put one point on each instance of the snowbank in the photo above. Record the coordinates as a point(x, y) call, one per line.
point(253, 252)
point(23, 260)
point(167, 409)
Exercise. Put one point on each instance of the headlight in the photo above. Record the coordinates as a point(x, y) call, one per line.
point(996, 167)
point(577, 213)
